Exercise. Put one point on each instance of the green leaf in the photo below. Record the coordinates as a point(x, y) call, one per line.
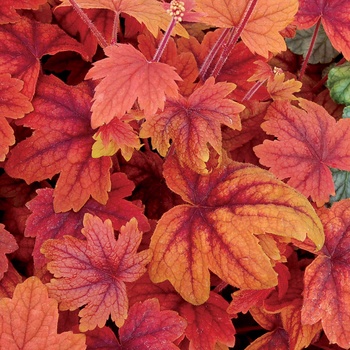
point(323, 51)
point(346, 112)
point(338, 83)
point(341, 180)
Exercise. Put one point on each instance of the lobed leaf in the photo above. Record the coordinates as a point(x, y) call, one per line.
point(93, 272)
point(218, 228)
point(8, 245)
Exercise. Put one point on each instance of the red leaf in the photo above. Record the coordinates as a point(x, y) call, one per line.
point(7, 245)
point(61, 143)
point(44, 223)
point(13, 105)
point(149, 328)
point(127, 71)
point(216, 229)
point(8, 9)
point(9, 281)
point(25, 42)
point(278, 339)
point(93, 272)
point(193, 123)
point(326, 288)
point(334, 17)
point(29, 320)
point(309, 142)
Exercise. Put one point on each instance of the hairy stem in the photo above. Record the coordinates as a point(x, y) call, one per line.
point(100, 39)
point(234, 38)
point(116, 24)
point(212, 53)
point(164, 41)
point(253, 90)
point(309, 52)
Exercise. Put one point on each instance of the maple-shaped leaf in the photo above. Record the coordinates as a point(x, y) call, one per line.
point(126, 76)
point(93, 272)
point(7, 245)
point(207, 324)
point(338, 83)
point(194, 122)
point(147, 327)
point(216, 229)
point(8, 9)
point(148, 12)
point(25, 42)
point(44, 223)
point(334, 17)
point(61, 143)
point(326, 288)
point(29, 320)
point(309, 142)
point(261, 33)
point(14, 105)
point(279, 89)
point(118, 134)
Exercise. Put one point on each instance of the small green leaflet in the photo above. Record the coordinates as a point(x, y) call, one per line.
point(338, 84)
point(341, 180)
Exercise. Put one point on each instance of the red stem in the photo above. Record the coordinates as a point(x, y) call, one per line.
point(115, 29)
point(101, 40)
point(212, 53)
point(253, 90)
point(311, 47)
point(164, 41)
point(236, 34)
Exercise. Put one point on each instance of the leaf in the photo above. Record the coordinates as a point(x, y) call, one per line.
point(322, 52)
point(61, 143)
point(309, 142)
point(25, 42)
point(8, 9)
point(282, 90)
point(44, 223)
point(149, 12)
point(338, 83)
point(277, 339)
point(14, 105)
point(127, 71)
point(342, 185)
point(334, 17)
point(7, 245)
point(117, 134)
point(216, 229)
point(29, 320)
point(93, 272)
point(9, 282)
point(326, 287)
point(207, 324)
point(194, 123)
point(147, 327)
point(261, 34)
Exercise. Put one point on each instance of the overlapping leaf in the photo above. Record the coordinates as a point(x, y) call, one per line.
point(326, 291)
point(44, 223)
point(309, 142)
point(338, 83)
point(61, 143)
point(334, 15)
point(127, 76)
point(14, 105)
point(7, 245)
point(93, 272)
point(29, 320)
point(8, 9)
point(25, 42)
point(261, 34)
point(216, 229)
point(194, 123)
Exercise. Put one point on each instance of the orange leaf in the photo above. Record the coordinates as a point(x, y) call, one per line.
point(13, 105)
point(193, 123)
point(326, 291)
point(29, 320)
point(147, 327)
point(25, 42)
point(216, 229)
point(93, 272)
point(334, 16)
point(282, 90)
point(61, 143)
point(127, 71)
point(261, 34)
point(7, 245)
point(309, 142)
point(278, 339)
